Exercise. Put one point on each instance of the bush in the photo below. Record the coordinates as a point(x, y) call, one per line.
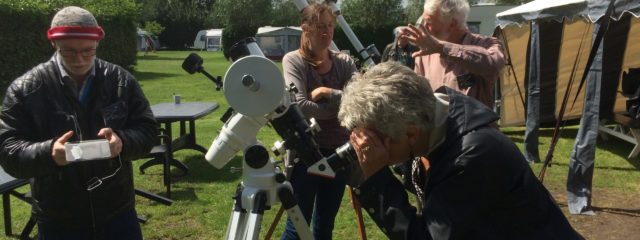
point(178, 33)
point(24, 33)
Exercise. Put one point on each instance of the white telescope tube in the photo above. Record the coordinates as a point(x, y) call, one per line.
point(237, 134)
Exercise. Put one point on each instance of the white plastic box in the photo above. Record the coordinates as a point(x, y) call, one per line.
point(87, 150)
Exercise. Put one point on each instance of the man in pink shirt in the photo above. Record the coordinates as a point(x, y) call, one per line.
point(452, 56)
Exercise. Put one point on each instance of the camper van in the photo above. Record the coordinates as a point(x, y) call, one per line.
point(210, 40)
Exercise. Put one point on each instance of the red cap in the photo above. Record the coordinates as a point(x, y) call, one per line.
point(75, 32)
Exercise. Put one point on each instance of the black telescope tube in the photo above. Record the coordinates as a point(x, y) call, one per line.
point(343, 158)
point(245, 47)
point(297, 135)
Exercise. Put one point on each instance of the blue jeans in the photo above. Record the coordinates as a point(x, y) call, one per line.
point(124, 226)
point(325, 193)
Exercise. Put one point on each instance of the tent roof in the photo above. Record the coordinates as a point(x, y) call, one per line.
point(542, 10)
point(268, 30)
point(213, 32)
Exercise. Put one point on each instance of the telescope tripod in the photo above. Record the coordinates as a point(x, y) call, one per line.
point(262, 185)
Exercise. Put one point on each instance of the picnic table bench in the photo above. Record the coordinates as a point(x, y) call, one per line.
point(8, 186)
point(625, 128)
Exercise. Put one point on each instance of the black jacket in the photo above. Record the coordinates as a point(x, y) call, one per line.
point(400, 54)
point(480, 187)
point(38, 108)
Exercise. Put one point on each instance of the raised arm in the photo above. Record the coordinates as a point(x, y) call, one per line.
point(485, 59)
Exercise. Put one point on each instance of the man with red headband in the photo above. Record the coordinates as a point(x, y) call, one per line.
point(76, 97)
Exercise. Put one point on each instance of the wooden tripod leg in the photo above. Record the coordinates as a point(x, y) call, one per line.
point(356, 207)
point(272, 228)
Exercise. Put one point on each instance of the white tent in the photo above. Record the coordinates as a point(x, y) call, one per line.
point(277, 41)
point(210, 40)
point(549, 42)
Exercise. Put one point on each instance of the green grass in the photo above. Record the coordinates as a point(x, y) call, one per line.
point(612, 169)
point(203, 198)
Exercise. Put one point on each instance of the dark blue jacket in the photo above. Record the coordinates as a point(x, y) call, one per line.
point(480, 187)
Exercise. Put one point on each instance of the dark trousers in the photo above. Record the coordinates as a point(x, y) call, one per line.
point(318, 197)
point(124, 226)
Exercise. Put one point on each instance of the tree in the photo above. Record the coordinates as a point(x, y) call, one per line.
point(372, 21)
point(285, 13)
point(253, 13)
point(182, 19)
point(413, 11)
point(148, 9)
point(373, 14)
point(241, 19)
point(152, 27)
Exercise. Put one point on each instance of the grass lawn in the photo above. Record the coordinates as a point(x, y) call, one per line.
point(203, 198)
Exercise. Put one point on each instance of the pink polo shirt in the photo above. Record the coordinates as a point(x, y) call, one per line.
point(471, 67)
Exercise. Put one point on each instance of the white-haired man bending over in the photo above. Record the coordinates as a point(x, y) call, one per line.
point(478, 186)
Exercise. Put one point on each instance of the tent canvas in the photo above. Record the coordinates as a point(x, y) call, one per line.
point(275, 42)
point(210, 40)
point(548, 43)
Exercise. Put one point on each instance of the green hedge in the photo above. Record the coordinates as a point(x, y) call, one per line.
point(24, 24)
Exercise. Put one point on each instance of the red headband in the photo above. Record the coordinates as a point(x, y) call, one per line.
point(75, 32)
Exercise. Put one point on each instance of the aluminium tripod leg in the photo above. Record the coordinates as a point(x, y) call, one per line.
point(238, 220)
point(291, 205)
point(255, 217)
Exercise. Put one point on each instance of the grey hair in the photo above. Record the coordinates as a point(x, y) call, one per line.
point(396, 31)
point(450, 9)
point(74, 16)
point(388, 97)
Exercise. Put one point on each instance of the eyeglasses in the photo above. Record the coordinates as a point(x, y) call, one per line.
point(89, 52)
